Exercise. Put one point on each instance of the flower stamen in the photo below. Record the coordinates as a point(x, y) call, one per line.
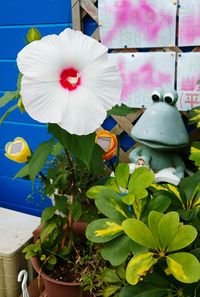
point(70, 79)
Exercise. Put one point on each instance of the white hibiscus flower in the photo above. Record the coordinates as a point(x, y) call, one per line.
point(68, 80)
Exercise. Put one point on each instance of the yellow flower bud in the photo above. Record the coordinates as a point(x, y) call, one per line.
point(33, 34)
point(17, 150)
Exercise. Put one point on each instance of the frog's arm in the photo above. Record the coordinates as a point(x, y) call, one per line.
point(137, 152)
point(179, 166)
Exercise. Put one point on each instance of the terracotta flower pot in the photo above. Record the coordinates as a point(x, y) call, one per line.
point(56, 288)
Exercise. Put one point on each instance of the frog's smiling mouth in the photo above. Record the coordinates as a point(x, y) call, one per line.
point(158, 145)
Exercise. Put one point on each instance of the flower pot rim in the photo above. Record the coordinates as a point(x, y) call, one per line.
point(36, 264)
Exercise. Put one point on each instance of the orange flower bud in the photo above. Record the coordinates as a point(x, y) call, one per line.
point(108, 142)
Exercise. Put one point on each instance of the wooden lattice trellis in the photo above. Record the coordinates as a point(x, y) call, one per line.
point(81, 8)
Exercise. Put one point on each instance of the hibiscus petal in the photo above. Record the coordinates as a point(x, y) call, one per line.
point(42, 59)
point(84, 114)
point(104, 80)
point(82, 49)
point(43, 101)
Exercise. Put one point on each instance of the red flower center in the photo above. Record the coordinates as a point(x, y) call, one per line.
point(70, 79)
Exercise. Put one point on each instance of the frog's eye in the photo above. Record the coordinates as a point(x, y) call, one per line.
point(170, 98)
point(156, 96)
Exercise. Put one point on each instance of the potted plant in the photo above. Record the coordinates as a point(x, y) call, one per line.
point(153, 231)
point(67, 82)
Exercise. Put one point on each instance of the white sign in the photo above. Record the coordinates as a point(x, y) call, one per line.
point(137, 23)
point(188, 76)
point(142, 73)
point(189, 23)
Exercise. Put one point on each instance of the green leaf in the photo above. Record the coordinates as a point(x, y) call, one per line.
point(119, 247)
point(128, 198)
point(143, 290)
point(76, 210)
point(52, 260)
point(12, 108)
point(184, 267)
point(93, 192)
point(7, 97)
point(139, 232)
point(167, 228)
point(136, 248)
point(195, 153)
point(61, 203)
point(103, 230)
point(24, 171)
point(184, 236)
point(47, 230)
point(160, 202)
point(139, 181)
point(138, 266)
point(109, 203)
point(39, 159)
point(57, 149)
point(122, 175)
point(19, 79)
point(121, 110)
point(190, 186)
point(153, 222)
point(109, 276)
point(82, 147)
point(47, 213)
point(108, 291)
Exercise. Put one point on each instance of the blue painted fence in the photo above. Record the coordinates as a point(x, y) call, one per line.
point(16, 17)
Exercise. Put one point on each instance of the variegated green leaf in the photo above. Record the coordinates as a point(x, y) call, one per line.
point(138, 266)
point(184, 267)
point(109, 291)
point(109, 203)
point(195, 153)
point(139, 233)
point(94, 191)
point(103, 230)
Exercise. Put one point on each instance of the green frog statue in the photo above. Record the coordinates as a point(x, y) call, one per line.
point(160, 132)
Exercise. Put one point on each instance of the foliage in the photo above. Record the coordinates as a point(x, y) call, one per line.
point(143, 226)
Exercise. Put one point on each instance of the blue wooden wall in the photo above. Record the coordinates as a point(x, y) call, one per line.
point(16, 17)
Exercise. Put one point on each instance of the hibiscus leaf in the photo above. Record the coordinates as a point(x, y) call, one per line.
point(12, 108)
point(121, 110)
point(7, 97)
point(82, 147)
point(39, 158)
point(23, 172)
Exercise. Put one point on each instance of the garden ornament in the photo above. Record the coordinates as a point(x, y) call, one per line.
point(18, 150)
point(160, 132)
point(23, 277)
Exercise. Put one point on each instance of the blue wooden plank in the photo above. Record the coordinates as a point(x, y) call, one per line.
point(16, 115)
point(19, 195)
point(37, 11)
point(33, 134)
point(13, 38)
point(8, 75)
